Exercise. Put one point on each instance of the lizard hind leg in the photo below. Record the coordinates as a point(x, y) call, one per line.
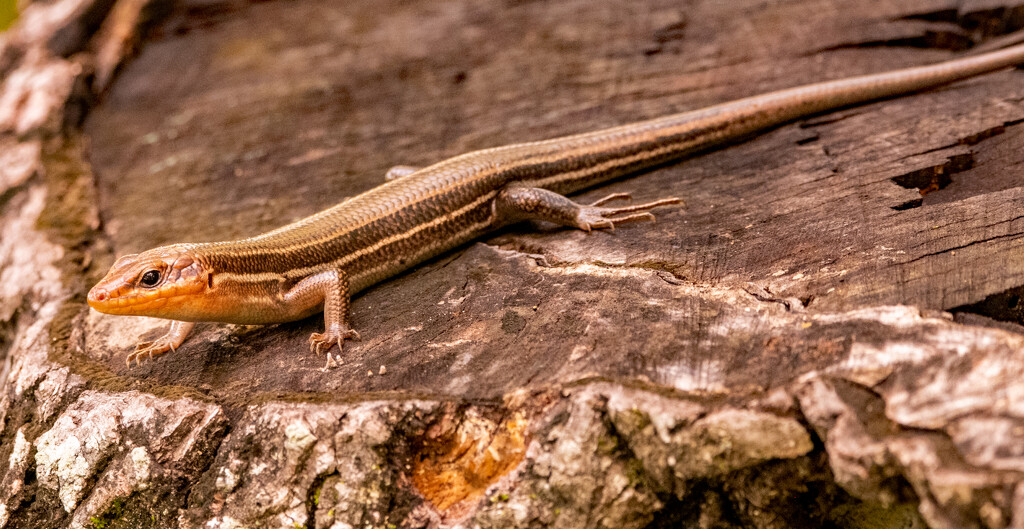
point(523, 203)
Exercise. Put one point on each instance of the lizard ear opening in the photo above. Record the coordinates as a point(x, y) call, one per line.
point(209, 279)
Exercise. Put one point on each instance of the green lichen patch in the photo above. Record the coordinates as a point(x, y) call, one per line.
point(867, 515)
point(137, 512)
point(112, 513)
point(8, 13)
point(313, 497)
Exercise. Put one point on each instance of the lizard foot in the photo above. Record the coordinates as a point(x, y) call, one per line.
point(336, 334)
point(170, 341)
point(595, 216)
point(150, 349)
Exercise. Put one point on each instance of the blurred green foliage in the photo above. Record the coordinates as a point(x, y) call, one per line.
point(8, 12)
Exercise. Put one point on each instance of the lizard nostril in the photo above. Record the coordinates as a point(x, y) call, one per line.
point(99, 295)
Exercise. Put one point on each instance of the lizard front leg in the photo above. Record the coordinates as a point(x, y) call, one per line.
point(525, 203)
point(330, 289)
point(168, 342)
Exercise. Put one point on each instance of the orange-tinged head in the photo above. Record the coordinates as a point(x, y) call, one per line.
point(162, 282)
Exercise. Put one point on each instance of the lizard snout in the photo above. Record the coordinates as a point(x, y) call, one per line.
point(97, 296)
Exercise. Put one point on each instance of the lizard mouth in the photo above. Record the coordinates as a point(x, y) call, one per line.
point(148, 303)
point(103, 301)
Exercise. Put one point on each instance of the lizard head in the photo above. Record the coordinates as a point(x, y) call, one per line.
point(161, 282)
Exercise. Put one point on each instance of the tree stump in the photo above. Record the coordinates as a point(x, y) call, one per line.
point(828, 334)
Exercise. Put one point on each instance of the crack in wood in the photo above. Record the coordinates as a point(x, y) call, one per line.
point(313, 494)
point(995, 21)
point(975, 138)
point(828, 119)
point(939, 15)
point(931, 179)
point(938, 177)
point(1007, 305)
point(1015, 234)
point(968, 29)
point(942, 40)
point(675, 31)
point(792, 304)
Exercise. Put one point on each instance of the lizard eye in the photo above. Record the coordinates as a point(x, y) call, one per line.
point(150, 278)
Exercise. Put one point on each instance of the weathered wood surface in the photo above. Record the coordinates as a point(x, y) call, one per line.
point(828, 334)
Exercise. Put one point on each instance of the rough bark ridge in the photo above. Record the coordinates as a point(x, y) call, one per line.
point(828, 335)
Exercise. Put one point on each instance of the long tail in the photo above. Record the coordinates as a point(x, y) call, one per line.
point(606, 154)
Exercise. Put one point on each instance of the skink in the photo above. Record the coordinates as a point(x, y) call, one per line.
point(317, 264)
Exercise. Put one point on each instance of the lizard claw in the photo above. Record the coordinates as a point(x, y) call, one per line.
point(595, 217)
point(168, 342)
point(322, 342)
point(149, 350)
